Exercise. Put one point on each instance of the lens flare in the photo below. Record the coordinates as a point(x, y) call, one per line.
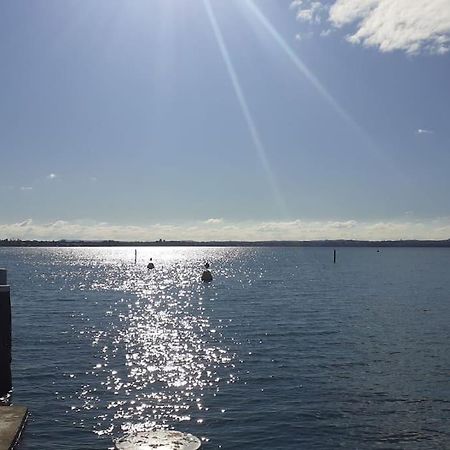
point(306, 72)
point(254, 133)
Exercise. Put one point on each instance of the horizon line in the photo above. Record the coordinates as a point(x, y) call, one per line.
point(10, 242)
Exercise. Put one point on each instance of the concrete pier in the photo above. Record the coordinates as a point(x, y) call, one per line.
point(12, 421)
point(12, 418)
point(5, 335)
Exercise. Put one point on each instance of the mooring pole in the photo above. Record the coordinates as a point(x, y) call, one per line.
point(135, 256)
point(5, 335)
point(334, 256)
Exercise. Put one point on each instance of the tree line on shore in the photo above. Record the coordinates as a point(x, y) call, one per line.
point(164, 243)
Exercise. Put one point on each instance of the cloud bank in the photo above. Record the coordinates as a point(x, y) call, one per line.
point(223, 230)
point(412, 26)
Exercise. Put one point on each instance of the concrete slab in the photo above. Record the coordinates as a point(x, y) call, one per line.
point(12, 420)
point(159, 440)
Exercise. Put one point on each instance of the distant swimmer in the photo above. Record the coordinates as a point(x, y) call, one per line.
point(207, 275)
point(150, 265)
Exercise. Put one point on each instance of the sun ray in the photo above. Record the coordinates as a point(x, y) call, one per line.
point(254, 133)
point(299, 64)
point(306, 72)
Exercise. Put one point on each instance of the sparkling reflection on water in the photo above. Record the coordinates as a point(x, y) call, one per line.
point(157, 353)
point(284, 350)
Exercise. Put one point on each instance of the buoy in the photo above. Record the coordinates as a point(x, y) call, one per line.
point(159, 440)
point(207, 276)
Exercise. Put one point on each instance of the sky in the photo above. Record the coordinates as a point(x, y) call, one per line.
point(225, 119)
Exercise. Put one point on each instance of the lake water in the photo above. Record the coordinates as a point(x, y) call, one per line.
point(283, 350)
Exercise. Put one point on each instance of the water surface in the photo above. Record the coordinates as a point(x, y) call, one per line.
point(284, 350)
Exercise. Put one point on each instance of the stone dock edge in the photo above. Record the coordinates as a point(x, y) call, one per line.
point(12, 422)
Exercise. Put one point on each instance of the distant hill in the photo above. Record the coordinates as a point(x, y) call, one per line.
point(162, 243)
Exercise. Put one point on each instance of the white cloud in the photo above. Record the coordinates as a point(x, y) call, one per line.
point(214, 221)
point(348, 11)
point(52, 176)
point(309, 11)
point(26, 188)
point(412, 26)
point(424, 131)
point(24, 223)
point(407, 228)
point(59, 224)
point(304, 36)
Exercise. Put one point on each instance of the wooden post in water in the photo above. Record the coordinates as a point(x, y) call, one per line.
point(5, 335)
point(135, 256)
point(334, 256)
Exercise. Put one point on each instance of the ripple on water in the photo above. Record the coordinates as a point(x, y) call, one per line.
point(156, 350)
point(352, 355)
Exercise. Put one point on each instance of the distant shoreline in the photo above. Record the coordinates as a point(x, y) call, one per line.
point(161, 243)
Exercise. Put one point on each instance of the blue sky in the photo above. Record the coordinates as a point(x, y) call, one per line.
point(225, 119)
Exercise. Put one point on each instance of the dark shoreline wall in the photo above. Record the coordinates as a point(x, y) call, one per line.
point(5, 335)
point(322, 243)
